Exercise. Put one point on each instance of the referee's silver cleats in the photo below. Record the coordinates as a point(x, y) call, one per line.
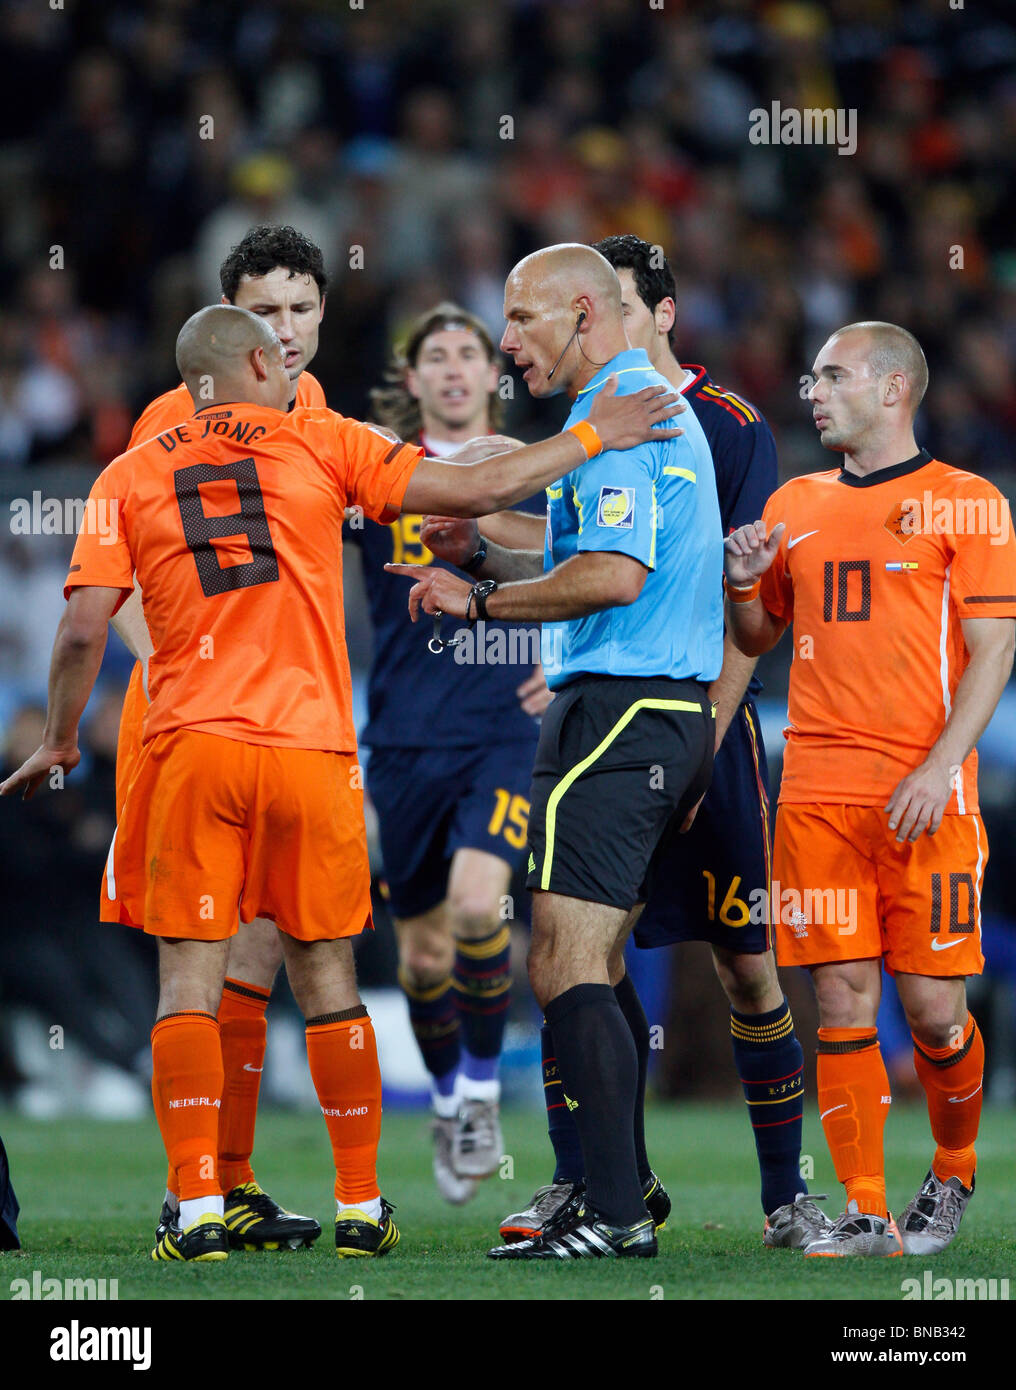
point(584, 1236)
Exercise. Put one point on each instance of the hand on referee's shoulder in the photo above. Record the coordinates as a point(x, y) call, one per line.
point(622, 422)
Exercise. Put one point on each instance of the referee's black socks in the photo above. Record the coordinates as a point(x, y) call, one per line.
point(599, 1067)
point(635, 1016)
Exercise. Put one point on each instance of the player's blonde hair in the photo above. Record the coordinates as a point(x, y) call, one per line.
point(393, 405)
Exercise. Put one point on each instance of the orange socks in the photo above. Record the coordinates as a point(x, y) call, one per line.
point(953, 1079)
point(342, 1054)
point(243, 1029)
point(853, 1101)
point(187, 1091)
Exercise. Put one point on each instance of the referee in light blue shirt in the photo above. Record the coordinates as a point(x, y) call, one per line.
point(628, 587)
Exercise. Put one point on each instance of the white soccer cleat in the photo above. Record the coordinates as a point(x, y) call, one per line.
point(932, 1218)
point(797, 1223)
point(451, 1187)
point(478, 1143)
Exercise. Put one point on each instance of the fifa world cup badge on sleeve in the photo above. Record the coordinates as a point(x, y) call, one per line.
point(616, 507)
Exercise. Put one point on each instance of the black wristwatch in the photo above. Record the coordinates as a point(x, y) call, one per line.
point(481, 593)
point(478, 559)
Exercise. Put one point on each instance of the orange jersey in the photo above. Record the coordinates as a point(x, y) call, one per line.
point(233, 522)
point(174, 406)
point(876, 574)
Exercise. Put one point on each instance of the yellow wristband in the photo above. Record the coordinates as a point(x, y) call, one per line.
point(737, 595)
point(586, 434)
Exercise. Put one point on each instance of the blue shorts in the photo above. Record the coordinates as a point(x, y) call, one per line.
point(431, 802)
point(702, 883)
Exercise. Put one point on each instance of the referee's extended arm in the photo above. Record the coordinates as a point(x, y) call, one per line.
point(583, 584)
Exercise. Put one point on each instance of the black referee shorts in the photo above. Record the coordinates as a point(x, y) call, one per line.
point(618, 758)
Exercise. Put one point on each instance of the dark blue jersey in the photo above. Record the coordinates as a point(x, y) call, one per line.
point(744, 454)
point(462, 697)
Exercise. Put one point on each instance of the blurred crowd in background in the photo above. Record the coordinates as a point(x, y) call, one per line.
point(426, 145)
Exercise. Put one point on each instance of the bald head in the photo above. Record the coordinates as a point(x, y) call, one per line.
point(568, 271)
point(223, 352)
point(889, 348)
point(564, 299)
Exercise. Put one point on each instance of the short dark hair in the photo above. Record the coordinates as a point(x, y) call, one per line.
point(263, 250)
point(654, 279)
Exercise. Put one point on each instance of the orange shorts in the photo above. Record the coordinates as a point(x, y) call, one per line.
point(214, 828)
point(128, 743)
point(128, 754)
point(844, 889)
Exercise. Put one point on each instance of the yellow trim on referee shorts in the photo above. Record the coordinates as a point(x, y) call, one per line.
point(683, 473)
point(683, 706)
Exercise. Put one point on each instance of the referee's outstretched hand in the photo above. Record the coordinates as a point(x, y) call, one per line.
point(435, 591)
point(748, 552)
point(624, 421)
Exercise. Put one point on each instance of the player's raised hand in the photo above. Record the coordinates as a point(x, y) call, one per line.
point(624, 421)
point(919, 801)
point(484, 446)
point(452, 538)
point(748, 552)
point(435, 590)
point(36, 768)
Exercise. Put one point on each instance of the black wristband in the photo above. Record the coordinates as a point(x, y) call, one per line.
point(478, 559)
point(481, 592)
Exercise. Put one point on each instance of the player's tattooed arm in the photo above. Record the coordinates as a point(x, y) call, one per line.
point(747, 553)
point(77, 655)
point(919, 801)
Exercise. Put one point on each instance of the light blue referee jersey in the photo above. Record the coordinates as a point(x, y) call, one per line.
point(657, 503)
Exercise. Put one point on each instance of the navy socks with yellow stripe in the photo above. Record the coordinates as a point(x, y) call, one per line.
point(482, 980)
point(434, 1019)
point(770, 1063)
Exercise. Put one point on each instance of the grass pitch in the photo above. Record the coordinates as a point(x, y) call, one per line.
point(90, 1194)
